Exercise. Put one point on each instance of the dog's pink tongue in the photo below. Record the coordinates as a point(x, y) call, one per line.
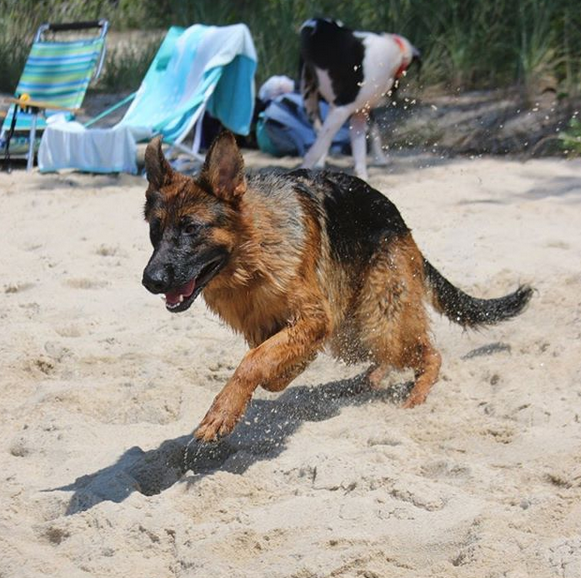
point(180, 293)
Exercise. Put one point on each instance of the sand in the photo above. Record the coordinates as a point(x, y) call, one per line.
point(101, 388)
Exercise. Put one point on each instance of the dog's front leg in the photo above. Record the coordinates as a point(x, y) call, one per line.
point(358, 135)
point(269, 363)
point(334, 121)
point(279, 383)
point(379, 157)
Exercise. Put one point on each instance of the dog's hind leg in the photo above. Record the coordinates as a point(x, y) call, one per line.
point(413, 350)
point(375, 374)
point(310, 94)
point(358, 135)
point(393, 320)
point(426, 361)
point(334, 121)
point(379, 157)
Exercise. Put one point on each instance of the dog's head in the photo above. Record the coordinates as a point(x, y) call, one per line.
point(192, 221)
point(416, 59)
point(410, 56)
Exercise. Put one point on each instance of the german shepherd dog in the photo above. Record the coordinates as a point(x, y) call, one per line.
point(297, 262)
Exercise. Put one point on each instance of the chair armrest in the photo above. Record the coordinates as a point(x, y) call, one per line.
point(23, 103)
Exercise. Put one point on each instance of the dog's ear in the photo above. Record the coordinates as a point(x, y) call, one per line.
point(157, 168)
point(223, 170)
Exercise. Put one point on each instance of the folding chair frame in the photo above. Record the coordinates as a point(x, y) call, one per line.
point(36, 107)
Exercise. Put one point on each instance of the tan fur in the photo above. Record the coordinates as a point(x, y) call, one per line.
point(285, 294)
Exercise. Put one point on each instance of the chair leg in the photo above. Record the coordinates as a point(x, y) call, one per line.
point(7, 164)
point(198, 138)
point(6, 160)
point(32, 136)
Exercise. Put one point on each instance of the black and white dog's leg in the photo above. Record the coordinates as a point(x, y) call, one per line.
point(379, 157)
point(310, 93)
point(334, 121)
point(312, 107)
point(358, 134)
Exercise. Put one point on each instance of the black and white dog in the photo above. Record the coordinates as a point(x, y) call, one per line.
point(354, 72)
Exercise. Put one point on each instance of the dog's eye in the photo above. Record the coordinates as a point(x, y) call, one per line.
point(190, 228)
point(155, 231)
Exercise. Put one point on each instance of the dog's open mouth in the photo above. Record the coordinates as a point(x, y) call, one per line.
point(179, 295)
point(180, 298)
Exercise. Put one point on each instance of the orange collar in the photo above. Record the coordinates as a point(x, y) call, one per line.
point(403, 66)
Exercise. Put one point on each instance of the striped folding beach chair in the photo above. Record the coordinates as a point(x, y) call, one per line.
point(54, 80)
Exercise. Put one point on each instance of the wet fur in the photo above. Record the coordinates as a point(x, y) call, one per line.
point(313, 261)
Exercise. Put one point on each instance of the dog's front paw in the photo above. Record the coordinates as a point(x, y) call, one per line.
point(226, 411)
point(414, 399)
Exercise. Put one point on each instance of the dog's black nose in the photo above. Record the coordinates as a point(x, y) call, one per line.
point(156, 279)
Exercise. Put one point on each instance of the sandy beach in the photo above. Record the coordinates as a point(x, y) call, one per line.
point(102, 387)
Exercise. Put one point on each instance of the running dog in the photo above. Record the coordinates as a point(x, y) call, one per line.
point(297, 262)
point(354, 72)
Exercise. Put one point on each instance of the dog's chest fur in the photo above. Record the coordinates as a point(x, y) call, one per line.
point(254, 293)
point(255, 310)
point(307, 230)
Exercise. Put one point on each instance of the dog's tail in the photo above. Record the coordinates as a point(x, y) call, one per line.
point(470, 311)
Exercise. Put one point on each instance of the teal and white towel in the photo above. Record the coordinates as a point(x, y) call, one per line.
point(212, 65)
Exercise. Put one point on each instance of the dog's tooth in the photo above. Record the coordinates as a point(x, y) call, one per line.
point(181, 298)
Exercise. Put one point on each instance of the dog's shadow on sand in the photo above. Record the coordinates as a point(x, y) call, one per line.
point(261, 435)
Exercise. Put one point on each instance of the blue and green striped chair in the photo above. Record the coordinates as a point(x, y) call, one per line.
point(54, 80)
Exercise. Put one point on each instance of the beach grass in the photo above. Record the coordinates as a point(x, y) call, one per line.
point(466, 44)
